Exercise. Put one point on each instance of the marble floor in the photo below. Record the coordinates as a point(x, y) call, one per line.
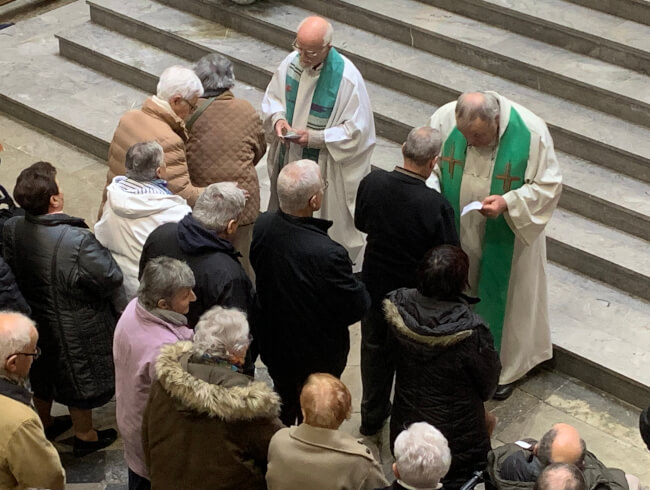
point(609, 426)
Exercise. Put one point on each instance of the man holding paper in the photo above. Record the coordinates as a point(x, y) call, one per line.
point(316, 107)
point(501, 154)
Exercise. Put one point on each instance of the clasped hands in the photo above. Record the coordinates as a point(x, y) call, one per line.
point(282, 127)
point(493, 206)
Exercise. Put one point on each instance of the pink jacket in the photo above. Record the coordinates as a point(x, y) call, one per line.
point(139, 335)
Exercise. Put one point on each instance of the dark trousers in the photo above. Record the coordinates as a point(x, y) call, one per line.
point(377, 368)
point(137, 482)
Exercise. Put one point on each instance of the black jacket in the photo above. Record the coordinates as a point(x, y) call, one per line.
point(308, 294)
point(68, 277)
point(220, 278)
point(10, 297)
point(446, 367)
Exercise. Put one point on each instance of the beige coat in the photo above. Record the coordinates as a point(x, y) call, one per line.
point(321, 459)
point(226, 142)
point(153, 123)
point(27, 458)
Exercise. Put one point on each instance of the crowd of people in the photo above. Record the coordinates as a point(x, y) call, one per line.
point(183, 285)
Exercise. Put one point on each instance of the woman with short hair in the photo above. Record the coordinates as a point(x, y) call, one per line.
point(446, 364)
point(207, 425)
point(155, 318)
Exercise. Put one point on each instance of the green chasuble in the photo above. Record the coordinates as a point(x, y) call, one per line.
point(499, 240)
point(322, 103)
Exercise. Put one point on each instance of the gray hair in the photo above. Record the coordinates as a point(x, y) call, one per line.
point(422, 455)
point(220, 332)
point(561, 476)
point(218, 204)
point(143, 159)
point(297, 182)
point(422, 145)
point(162, 278)
point(329, 32)
point(179, 80)
point(545, 448)
point(468, 111)
point(15, 334)
point(215, 72)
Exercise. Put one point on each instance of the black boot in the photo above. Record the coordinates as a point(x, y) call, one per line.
point(503, 392)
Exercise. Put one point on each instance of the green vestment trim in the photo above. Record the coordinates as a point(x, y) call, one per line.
point(322, 103)
point(499, 240)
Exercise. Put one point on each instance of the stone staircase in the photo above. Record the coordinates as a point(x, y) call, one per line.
point(582, 70)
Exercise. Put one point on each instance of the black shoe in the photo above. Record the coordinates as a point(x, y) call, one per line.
point(58, 426)
point(104, 438)
point(503, 392)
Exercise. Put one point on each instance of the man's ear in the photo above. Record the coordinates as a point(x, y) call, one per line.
point(55, 201)
point(10, 364)
point(395, 471)
point(231, 227)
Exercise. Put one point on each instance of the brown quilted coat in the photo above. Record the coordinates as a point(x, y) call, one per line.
point(150, 123)
point(225, 144)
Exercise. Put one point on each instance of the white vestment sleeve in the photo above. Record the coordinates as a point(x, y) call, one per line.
point(531, 206)
point(274, 101)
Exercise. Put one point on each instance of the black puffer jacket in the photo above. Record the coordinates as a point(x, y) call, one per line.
point(67, 277)
point(10, 297)
point(446, 368)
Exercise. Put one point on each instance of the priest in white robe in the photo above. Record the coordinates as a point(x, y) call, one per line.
point(501, 154)
point(316, 107)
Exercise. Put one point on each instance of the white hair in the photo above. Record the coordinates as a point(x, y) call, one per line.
point(221, 332)
point(329, 32)
point(487, 110)
point(422, 455)
point(15, 334)
point(297, 182)
point(422, 145)
point(179, 80)
point(162, 278)
point(218, 204)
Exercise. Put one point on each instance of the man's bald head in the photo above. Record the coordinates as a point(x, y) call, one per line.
point(325, 401)
point(560, 476)
point(562, 444)
point(477, 117)
point(314, 31)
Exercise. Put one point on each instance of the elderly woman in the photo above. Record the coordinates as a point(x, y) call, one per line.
point(207, 425)
point(446, 364)
point(155, 318)
point(226, 142)
point(68, 279)
point(137, 204)
point(160, 119)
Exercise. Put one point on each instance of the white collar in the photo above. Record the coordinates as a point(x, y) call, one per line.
point(409, 487)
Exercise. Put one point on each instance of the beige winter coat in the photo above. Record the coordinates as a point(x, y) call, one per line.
point(226, 142)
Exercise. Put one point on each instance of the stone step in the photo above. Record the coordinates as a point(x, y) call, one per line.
point(551, 69)
point(589, 189)
point(590, 134)
point(636, 10)
point(561, 23)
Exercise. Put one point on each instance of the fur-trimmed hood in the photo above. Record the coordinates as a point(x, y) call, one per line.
point(243, 401)
point(434, 323)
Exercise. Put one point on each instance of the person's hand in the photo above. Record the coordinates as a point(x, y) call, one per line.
point(281, 127)
point(303, 140)
point(493, 206)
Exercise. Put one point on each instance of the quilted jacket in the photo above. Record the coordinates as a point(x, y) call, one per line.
point(225, 144)
point(153, 123)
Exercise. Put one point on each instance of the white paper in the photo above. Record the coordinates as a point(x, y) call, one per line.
point(472, 206)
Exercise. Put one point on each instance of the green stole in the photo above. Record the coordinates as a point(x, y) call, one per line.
point(499, 240)
point(322, 103)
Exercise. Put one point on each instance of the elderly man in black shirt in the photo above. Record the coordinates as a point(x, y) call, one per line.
point(403, 219)
point(306, 288)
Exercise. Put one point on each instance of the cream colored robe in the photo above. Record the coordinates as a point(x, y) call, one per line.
point(345, 146)
point(526, 332)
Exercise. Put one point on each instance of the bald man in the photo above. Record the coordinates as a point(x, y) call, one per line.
point(518, 465)
point(317, 107)
point(500, 154)
point(27, 458)
point(561, 476)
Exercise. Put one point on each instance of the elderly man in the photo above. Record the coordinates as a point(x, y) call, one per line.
point(403, 219)
point(160, 119)
point(203, 239)
point(518, 465)
point(561, 476)
point(501, 154)
point(226, 142)
point(307, 291)
point(422, 458)
point(27, 458)
point(136, 205)
point(316, 107)
point(316, 454)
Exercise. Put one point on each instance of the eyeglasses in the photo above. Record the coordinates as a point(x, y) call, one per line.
point(192, 106)
point(307, 54)
point(35, 355)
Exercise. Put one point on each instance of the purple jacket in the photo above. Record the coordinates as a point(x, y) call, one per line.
point(139, 335)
